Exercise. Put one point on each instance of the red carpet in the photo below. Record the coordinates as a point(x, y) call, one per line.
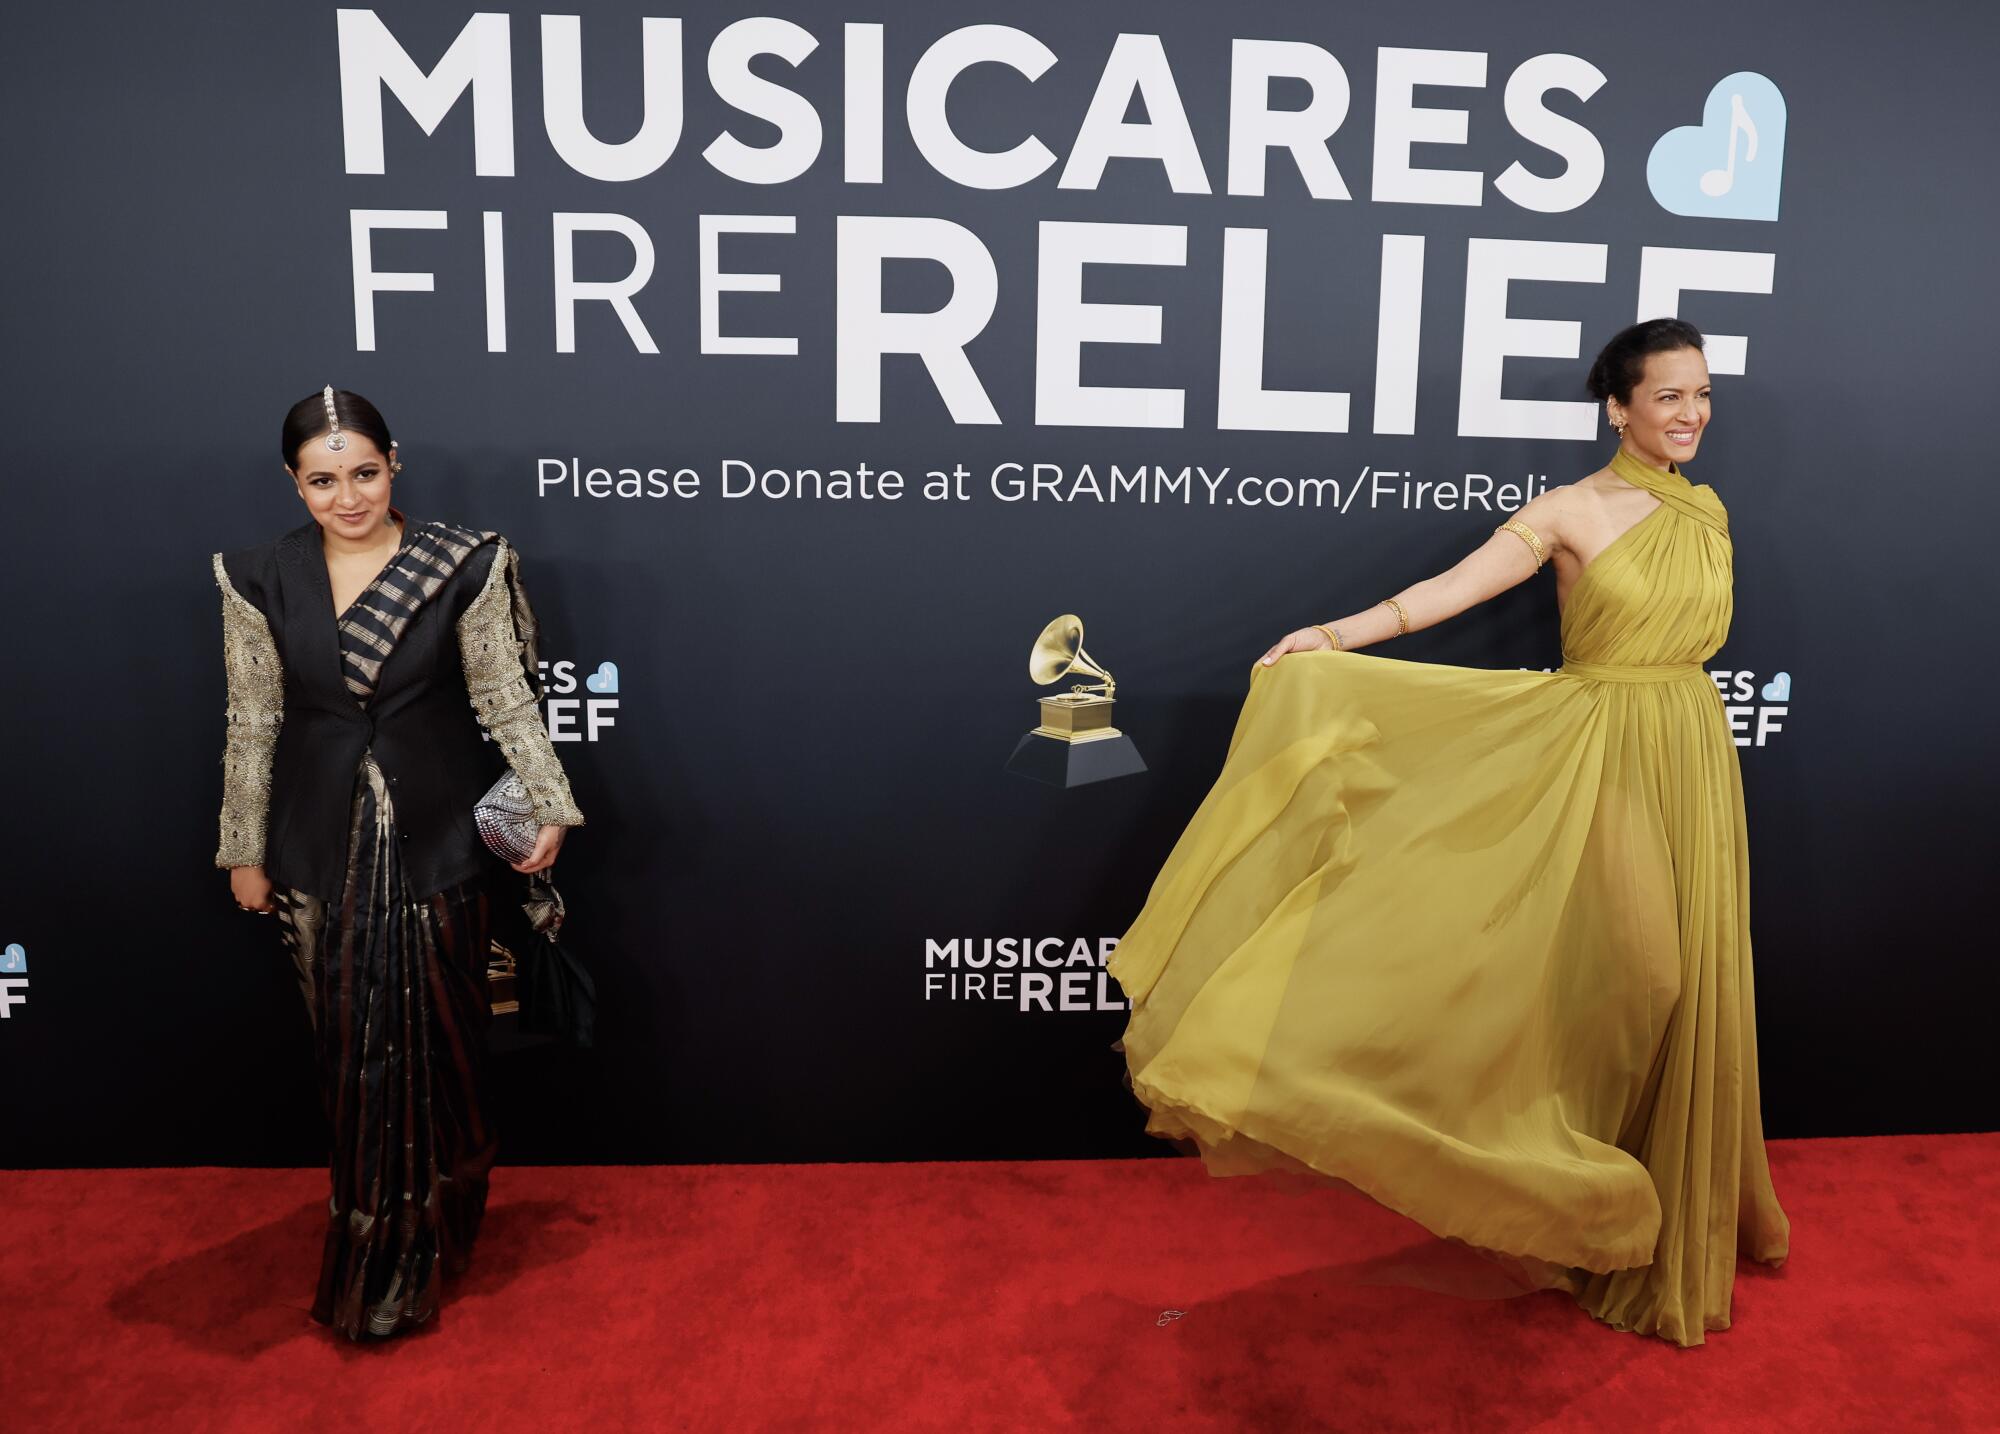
point(975, 1296)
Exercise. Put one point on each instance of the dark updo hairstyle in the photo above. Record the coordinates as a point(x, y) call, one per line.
point(307, 421)
point(1623, 362)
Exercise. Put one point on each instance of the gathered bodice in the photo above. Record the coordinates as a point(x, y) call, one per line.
point(1662, 593)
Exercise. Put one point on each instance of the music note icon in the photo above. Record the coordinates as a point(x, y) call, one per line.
point(1718, 182)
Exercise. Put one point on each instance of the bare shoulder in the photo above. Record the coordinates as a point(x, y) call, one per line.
point(1555, 513)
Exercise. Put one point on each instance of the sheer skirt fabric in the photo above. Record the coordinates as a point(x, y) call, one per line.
point(1477, 944)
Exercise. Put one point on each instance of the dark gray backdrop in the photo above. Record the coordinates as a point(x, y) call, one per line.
point(804, 781)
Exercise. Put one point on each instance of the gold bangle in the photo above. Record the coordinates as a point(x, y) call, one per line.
point(1402, 618)
point(1333, 632)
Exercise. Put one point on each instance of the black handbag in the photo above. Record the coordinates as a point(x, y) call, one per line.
point(536, 980)
point(558, 998)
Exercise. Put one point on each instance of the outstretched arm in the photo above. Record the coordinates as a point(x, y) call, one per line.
point(1512, 553)
point(256, 708)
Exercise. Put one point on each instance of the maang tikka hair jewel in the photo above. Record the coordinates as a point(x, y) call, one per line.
point(335, 439)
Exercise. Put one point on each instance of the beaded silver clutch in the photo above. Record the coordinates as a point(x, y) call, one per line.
point(506, 819)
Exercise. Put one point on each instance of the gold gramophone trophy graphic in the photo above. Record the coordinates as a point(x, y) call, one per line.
point(1075, 742)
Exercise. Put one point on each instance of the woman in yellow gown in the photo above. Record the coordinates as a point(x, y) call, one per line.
point(1477, 943)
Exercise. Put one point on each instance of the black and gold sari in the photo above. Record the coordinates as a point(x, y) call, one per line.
point(397, 991)
point(388, 930)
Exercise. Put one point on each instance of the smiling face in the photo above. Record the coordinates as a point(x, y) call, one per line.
point(1668, 408)
point(346, 492)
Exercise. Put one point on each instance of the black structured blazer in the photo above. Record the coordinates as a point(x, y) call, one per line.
point(420, 725)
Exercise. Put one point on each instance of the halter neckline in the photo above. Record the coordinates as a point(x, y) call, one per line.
point(1697, 501)
point(1641, 474)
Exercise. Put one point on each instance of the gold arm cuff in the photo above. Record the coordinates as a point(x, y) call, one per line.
point(1402, 618)
point(1527, 535)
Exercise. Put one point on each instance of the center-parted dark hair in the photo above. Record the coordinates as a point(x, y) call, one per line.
point(307, 421)
point(1623, 362)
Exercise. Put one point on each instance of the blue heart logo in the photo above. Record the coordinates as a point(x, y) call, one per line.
point(1779, 688)
point(1728, 166)
point(14, 959)
point(605, 679)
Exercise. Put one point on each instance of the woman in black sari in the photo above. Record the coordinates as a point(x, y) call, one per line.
point(365, 652)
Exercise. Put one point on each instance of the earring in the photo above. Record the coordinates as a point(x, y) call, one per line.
point(395, 463)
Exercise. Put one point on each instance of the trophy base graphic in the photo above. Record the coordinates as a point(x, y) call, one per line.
point(1076, 744)
point(1075, 764)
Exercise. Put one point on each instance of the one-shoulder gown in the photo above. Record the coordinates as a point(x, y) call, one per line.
point(1477, 943)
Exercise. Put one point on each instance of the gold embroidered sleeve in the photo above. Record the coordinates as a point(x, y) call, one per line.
point(492, 643)
point(256, 709)
point(1527, 535)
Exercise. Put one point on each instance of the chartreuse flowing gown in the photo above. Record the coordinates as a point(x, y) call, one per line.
point(1477, 943)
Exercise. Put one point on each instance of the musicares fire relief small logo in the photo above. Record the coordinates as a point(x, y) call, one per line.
point(579, 708)
point(1048, 973)
point(13, 978)
point(1756, 710)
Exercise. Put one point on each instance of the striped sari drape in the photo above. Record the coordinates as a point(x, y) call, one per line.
point(374, 622)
